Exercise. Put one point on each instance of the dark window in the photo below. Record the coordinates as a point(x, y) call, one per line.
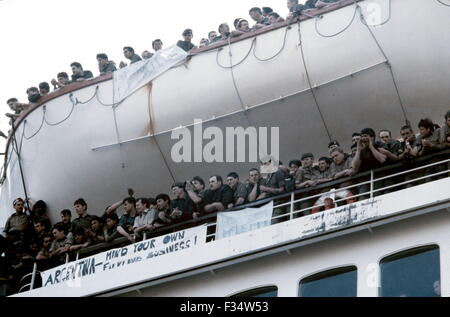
point(414, 273)
point(269, 291)
point(341, 282)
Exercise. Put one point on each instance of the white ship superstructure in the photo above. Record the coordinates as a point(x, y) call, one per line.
point(318, 79)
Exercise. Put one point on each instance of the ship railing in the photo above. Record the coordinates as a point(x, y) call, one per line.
point(288, 203)
point(281, 203)
point(29, 286)
point(372, 192)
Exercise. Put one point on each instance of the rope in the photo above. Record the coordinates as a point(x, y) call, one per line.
point(96, 95)
point(77, 102)
point(232, 75)
point(116, 127)
point(341, 31)
point(114, 105)
point(240, 62)
point(443, 3)
point(278, 53)
point(20, 148)
point(15, 147)
point(150, 105)
point(310, 84)
point(241, 101)
point(363, 20)
point(32, 136)
point(58, 123)
point(164, 159)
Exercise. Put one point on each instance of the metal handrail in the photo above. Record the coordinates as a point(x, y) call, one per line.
point(210, 220)
point(332, 184)
point(292, 201)
point(33, 278)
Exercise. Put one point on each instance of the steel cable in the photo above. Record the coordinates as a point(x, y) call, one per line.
point(278, 53)
point(77, 102)
point(32, 136)
point(363, 21)
point(310, 84)
point(341, 31)
point(443, 3)
point(58, 123)
point(240, 62)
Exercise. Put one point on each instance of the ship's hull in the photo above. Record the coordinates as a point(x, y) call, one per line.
point(354, 89)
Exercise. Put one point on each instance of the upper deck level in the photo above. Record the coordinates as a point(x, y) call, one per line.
point(233, 253)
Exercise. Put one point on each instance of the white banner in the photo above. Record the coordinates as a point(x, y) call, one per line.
point(105, 263)
point(129, 79)
point(234, 223)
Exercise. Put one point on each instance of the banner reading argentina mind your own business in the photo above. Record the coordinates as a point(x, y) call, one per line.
point(108, 262)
